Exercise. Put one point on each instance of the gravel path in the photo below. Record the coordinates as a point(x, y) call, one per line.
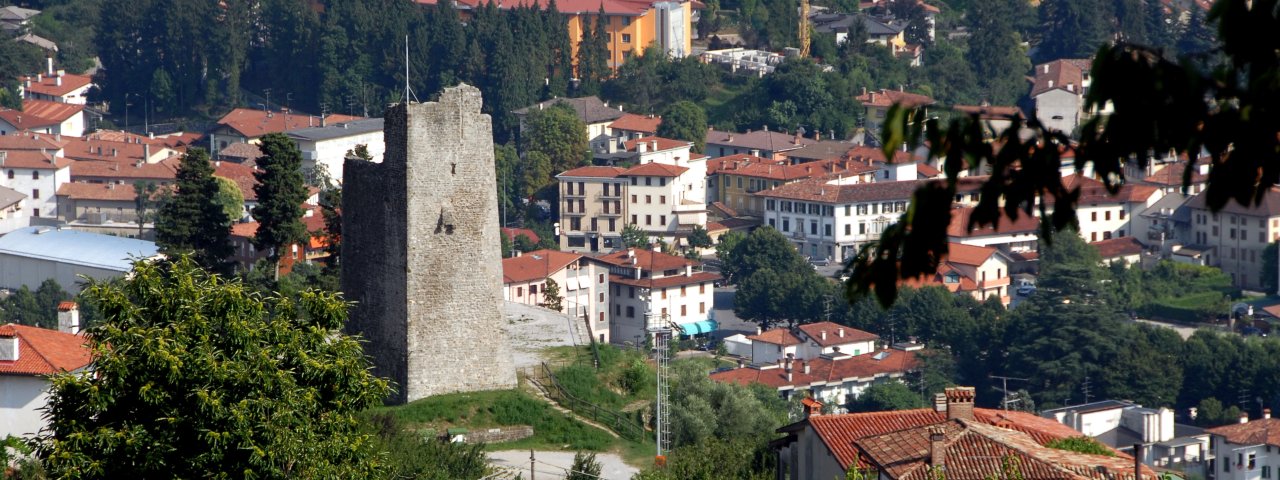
point(556, 464)
point(532, 329)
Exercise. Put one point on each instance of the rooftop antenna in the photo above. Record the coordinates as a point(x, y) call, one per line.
point(408, 91)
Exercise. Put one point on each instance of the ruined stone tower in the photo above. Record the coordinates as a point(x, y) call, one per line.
point(421, 255)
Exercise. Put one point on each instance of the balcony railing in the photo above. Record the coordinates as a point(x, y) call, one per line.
point(608, 196)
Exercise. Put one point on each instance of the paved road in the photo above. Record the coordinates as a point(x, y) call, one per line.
point(533, 329)
point(556, 464)
point(729, 324)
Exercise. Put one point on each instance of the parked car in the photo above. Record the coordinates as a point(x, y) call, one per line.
point(1026, 290)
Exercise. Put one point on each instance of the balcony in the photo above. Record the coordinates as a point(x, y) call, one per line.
point(564, 213)
point(608, 196)
point(581, 195)
point(610, 214)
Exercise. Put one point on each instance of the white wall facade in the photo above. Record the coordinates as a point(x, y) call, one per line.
point(332, 152)
point(39, 185)
point(21, 398)
point(1059, 109)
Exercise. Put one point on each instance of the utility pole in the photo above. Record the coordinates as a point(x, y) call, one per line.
point(531, 469)
point(1004, 389)
point(1085, 388)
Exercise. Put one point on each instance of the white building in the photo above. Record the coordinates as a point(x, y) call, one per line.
point(1121, 424)
point(11, 214)
point(834, 378)
point(596, 114)
point(44, 116)
point(56, 86)
point(327, 146)
point(1058, 91)
point(32, 255)
point(36, 174)
point(809, 341)
point(28, 356)
point(653, 286)
point(1247, 450)
point(1102, 215)
point(583, 283)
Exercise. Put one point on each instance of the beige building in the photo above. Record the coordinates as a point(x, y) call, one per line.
point(592, 210)
point(1233, 238)
point(583, 283)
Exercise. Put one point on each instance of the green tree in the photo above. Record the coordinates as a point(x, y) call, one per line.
point(763, 248)
point(230, 198)
point(38, 308)
point(1073, 28)
point(536, 173)
point(887, 396)
point(685, 120)
point(768, 297)
point(558, 133)
point(1081, 444)
point(634, 237)
point(699, 238)
point(161, 91)
point(584, 467)
point(551, 298)
point(996, 53)
point(1270, 271)
point(281, 191)
point(147, 199)
point(192, 221)
point(507, 164)
point(524, 244)
point(232, 382)
point(716, 459)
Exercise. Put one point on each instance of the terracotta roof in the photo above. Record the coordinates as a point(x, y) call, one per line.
point(31, 141)
point(1269, 207)
point(112, 148)
point(98, 191)
point(611, 7)
point(590, 109)
point(312, 221)
point(1058, 74)
point(959, 227)
point(666, 282)
point(763, 140)
point(32, 159)
point(654, 169)
point(723, 210)
point(66, 306)
point(637, 123)
point(48, 84)
point(253, 123)
point(1118, 247)
point(647, 260)
point(821, 150)
point(819, 191)
point(990, 112)
point(836, 334)
point(1254, 432)
point(757, 167)
point(593, 172)
point(512, 233)
point(536, 265)
point(1171, 175)
point(661, 144)
point(968, 254)
point(886, 97)
point(56, 111)
point(840, 432)
point(239, 173)
point(824, 370)
point(777, 336)
point(1094, 192)
point(105, 169)
point(975, 450)
point(250, 152)
point(44, 352)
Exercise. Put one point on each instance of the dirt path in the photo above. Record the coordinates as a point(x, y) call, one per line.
point(550, 464)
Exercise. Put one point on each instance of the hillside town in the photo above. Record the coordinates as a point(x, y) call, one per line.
point(633, 239)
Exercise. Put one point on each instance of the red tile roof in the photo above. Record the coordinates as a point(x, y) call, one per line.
point(959, 227)
point(1058, 74)
point(836, 334)
point(666, 282)
point(111, 148)
point(33, 159)
point(777, 336)
point(840, 432)
point(163, 170)
point(48, 84)
point(824, 370)
point(1269, 207)
point(654, 169)
point(886, 97)
point(662, 144)
point(818, 190)
point(239, 173)
point(593, 172)
point(1118, 247)
point(55, 111)
point(109, 192)
point(647, 260)
point(611, 7)
point(637, 123)
point(253, 123)
point(1171, 175)
point(512, 233)
point(44, 352)
point(763, 140)
point(962, 254)
point(1094, 192)
point(757, 167)
point(535, 265)
point(1263, 431)
point(990, 112)
point(31, 141)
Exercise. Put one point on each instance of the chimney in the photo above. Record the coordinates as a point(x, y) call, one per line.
point(9, 347)
point(1137, 461)
point(1244, 417)
point(939, 402)
point(114, 152)
point(812, 408)
point(824, 334)
point(937, 448)
point(1050, 83)
point(49, 63)
point(1071, 87)
point(1266, 413)
point(68, 317)
point(631, 253)
point(657, 248)
point(146, 152)
point(516, 253)
point(959, 403)
point(653, 146)
point(759, 330)
point(57, 80)
point(804, 366)
point(640, 146)
point(840, 332)
point(39, 78)
point(1046, 68)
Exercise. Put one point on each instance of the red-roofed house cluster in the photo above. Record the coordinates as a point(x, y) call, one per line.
point(28, 357)
point(583, 283)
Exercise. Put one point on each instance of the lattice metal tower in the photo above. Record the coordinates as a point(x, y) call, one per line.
point(659, 327)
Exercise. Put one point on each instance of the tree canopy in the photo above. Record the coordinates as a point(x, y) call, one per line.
point(281, 191)
point(685, 120)
point(192, 220)
point(195, 376)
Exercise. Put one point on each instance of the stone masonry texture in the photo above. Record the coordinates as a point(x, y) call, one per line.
point(420, 251)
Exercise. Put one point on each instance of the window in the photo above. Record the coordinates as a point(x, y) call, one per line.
point(682, 290)
point(631, 292)
point(664, 293)
point(684, 310)
point(648, 219)
point(1093, 216)
point(739, 182)
point(662, 220)
point(862, 209)
point(664, 312)
point(35, 194)
point(633, 197)
point(702, 287)
point(702, 307)
point(1093, 237)
point(1231, 232)
point(1107, 214)
point(786, 225)
point(600, 297)
point(648, 181)
point(582, 205)
point(533, 290)
point(648, 199)
point(813, 227)
point(626, 38)
point(848, 229)
point(1122, 214)
point(631, 311)
point(662, 199)
point(662, 182)
point(827, 229)
point(1266, 470)
point(601, 278)
point(617, 309)
point(771, 225)
point(35, 174)
point(769, 205)
point(519, 291)
point(626, 21)
point(575, 224)
point(633, 182)
point(862, 228)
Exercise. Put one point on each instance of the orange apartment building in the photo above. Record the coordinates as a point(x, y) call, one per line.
point(632, 25)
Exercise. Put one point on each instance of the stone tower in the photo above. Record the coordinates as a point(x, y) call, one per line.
point(421, 255)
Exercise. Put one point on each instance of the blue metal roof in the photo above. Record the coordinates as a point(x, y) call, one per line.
point(76, 247)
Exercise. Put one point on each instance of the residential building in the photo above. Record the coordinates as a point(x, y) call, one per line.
point(808, 341)
point(833, 219)
point(995, 118)
point(733, 180)
point(1248, 450)
point(744, 61)
point(325, 148)
point(1121, 424)
point(593, 209)
point(247, 125)
point(32, 255)
point(595, 113)
point(908, 444)
point(837, 377)
point(667, 201)
point(631, 126)
point(11, 210)
point(583, 282)
point(513, 233)
point(106, 208)
point(877, 105)
point(1103, 215)
point(1168, 177)
point(36, 174)
point(1166, 223)
point(123, 172)
point(1008, 235)
point(15, 19)
point(980, 272)
point(56, 86)
point(650, 288)
point(314, 249)
point(1058, 90)
point(1123, 250)
point(29, 356)
point(44, 116)
point(760, 143)
point(1234, 237)
point(119, 147)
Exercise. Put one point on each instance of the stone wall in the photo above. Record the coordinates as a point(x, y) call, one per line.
point(421, 254)
point(498, 435)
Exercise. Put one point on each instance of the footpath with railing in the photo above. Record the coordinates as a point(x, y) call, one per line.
point(626, 427)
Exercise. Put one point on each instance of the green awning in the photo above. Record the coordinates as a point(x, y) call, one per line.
point(700, 327)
